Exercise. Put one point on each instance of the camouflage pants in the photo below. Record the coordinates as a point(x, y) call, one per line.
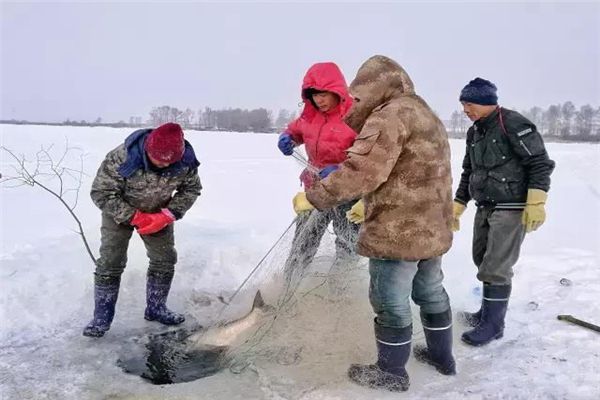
point(160, 248)
point(310, 228)
point(497, 239)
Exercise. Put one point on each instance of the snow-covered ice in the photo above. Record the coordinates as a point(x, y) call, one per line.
point(46, 287)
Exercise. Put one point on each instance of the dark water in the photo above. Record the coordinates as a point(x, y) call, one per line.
point(164, 359)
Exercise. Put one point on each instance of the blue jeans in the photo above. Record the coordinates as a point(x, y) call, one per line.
point(393, 282)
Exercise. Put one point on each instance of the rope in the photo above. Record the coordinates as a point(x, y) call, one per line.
point(227, 303)
point(300, 158)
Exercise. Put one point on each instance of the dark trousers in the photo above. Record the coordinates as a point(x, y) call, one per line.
point(497, 239)
point(160, 248)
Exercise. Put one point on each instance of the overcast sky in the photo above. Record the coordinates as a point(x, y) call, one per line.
point(114, 60)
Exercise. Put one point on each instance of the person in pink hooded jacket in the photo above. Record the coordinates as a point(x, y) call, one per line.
point(326, 137)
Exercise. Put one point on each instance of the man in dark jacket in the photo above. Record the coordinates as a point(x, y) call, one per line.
point(146, 183)
point(506, 170)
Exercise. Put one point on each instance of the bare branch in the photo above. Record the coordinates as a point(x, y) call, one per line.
point(15, 186)
point(79, 181)
point(67, 149)
point(77, 171)
point(44, 174)
point(45, 161)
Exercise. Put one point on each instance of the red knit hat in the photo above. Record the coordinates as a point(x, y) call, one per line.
point(165, 143)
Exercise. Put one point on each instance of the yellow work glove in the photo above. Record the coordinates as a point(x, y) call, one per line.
point(356, 214)
point(457, 210)
point(534, 213)
point(301, 203)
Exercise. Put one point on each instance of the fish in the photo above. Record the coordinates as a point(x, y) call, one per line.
point(182, 356)
point(234, 332)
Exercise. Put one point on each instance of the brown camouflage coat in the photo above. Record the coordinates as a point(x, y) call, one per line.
point(399, 164)
point(145, 190)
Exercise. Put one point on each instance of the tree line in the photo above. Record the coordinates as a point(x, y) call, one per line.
point(230, 119)
point(258, 120)
point(559, 121)
point(563, 122)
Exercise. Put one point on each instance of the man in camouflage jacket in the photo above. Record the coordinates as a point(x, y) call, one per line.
point(506, 170)
point(146, 183)
point(400, 165)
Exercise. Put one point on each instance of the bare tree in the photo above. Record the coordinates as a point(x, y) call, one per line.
point(175, 115)
point(210, 118)
point(259, 120)
point(536, 116)
point(567, 111)
point(455, 122)
point(584, 121)
point(187, 118)
point(464, 123)
point(44, 169)
point(551, 117)
point(282, 119)
point(159, 115)
point(596, 122)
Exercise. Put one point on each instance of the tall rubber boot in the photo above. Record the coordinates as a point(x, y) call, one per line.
point(106, 291)
point(493, 312)
point(393, 351)
point(157, 291)
point(438, 335)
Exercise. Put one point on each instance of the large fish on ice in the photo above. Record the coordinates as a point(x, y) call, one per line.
point(180, 356)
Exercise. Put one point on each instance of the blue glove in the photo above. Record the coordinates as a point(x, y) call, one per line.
point(327, 170)
point(286, 144)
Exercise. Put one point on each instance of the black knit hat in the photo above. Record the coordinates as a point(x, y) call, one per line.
point(480, 91)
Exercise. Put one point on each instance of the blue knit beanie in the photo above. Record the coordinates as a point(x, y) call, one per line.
point(480, 91)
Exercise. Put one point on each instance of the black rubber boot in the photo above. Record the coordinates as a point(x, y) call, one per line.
point(438, 335)
point(106, 291)
point(157, 290)
point(393, 348)
point(493, 312)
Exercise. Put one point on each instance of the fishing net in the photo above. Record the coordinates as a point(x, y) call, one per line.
point(320, 309)
point(316, 323)
point(317, 287)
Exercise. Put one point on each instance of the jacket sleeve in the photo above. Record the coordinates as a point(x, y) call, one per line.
point(295, 131)
point(369, 164)
point(186, 194)
point(107, 190)
point(528, 144)
point(462, 193)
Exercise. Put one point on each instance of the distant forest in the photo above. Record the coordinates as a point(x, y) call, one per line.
point(258, 120)
point(560, 122)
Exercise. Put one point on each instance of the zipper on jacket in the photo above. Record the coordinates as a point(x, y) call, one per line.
point(319, 137)
point(525, 147)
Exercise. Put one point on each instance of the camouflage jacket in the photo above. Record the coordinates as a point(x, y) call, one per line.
point(146, 189)
point(399, 164)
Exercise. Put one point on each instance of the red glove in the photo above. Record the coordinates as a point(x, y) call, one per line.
point(158, 222)
point(141, 219)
